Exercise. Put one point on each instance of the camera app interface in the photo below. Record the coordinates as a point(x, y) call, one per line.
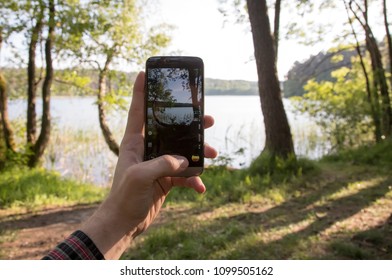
point(174, 113)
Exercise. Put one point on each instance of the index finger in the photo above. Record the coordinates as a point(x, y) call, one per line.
point(135, 123)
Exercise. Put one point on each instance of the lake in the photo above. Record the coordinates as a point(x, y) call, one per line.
point(78, 149)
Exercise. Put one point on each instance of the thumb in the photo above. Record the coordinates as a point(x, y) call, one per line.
point(163, 166)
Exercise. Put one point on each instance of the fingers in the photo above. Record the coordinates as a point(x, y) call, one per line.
point(135, 123)
point(163, 166)
point(208, 121)
point(192, 182)
point(210, 152)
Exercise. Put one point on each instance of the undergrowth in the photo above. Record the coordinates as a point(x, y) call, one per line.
point(379, 155)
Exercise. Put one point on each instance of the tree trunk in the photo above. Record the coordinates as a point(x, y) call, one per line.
point(31, 81)
point(389, 39)
point(277, 130)
point(44, 136)
point(276, 28)
point(379, 78)
point(107, 134)
point(381, 84)
point(5, 123)
point(372, 95)
point(7, 132)
point(3, 144)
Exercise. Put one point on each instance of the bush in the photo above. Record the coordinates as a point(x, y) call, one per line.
point(339, 108)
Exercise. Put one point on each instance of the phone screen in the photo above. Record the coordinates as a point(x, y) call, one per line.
point(175, 109)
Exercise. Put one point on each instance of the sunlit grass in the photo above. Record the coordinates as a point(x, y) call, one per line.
point(30, 189)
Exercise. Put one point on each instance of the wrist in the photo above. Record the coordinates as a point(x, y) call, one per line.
point(110, 233)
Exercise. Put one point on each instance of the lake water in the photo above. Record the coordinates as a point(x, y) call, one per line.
point(78, 149)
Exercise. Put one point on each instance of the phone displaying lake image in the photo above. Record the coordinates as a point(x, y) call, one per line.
point(174, 113)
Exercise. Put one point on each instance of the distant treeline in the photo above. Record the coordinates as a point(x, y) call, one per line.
point(230, 87)
point(318, 67)
point(84, 82)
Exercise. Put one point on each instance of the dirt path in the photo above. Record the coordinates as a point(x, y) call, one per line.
point(32, 235)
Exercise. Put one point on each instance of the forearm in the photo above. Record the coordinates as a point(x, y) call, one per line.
point(110, 234)
point(102, 236)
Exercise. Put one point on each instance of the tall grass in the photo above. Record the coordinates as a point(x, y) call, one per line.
point(80, 154)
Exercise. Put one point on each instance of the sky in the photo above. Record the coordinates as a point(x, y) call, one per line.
point(227, 49)
point(199, 31)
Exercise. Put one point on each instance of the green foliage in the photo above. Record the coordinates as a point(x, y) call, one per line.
point(114, 34)
point(30, 188)
point(340, 108)
point(16, 82)
point(73, 82)
point(379, 155)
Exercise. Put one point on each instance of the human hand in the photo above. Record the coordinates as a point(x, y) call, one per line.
point(139, 187)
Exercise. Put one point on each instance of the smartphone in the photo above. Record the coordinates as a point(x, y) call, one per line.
point(174, 113)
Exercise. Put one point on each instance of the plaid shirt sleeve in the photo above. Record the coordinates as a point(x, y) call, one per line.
point(78, 246)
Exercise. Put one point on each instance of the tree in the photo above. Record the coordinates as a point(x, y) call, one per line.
point(43, 139)
point(34, 19)
point(278, 135)
point(107, 32)
point(389, 38)
point(379, 94)
point(5, 126)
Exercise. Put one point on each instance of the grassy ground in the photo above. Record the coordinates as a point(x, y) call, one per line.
point(339, 209)
point(336, 208)
point(25, 190)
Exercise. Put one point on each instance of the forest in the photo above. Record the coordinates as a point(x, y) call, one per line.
point(281, 204)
